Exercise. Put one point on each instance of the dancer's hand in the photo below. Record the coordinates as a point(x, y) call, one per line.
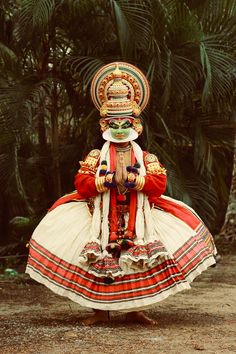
point(106, 178)
point(134, 180)
point(121, 173)
point(110, 179)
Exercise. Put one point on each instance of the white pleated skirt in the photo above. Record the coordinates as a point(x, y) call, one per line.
point(137, 280)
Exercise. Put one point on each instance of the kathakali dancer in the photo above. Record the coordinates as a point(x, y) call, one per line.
point(117, 243)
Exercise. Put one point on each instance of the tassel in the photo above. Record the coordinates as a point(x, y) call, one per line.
point(139, 225)
point(145, 224)
point(96, 218)
point(105, 156)
point(105, 221)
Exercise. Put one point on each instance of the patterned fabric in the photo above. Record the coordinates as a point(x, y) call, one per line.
point(143, 256)
point(89, 165)
point(137, 290)
point(106, 267)
point(133, 78)
point(170, 245)
point(153, 166)
point(91, 252)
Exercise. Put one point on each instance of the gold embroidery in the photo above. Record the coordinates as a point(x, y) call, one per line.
point(89, 165)
point(137, 125)
point(151, 158)
point(85, 172)
point(94, 153)
point(153, 166)
point(103, 124)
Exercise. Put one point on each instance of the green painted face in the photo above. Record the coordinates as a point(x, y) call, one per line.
point(120, 128)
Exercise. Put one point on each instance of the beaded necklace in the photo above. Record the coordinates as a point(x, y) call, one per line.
point(123, 148)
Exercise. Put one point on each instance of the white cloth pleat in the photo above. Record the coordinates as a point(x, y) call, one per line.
point(64, 231)
point(96, 220)
point(139, 222)
point(144, 226)
point(172, 231)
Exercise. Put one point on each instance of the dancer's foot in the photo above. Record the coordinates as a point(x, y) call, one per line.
point(140, 317)
point(98, 317)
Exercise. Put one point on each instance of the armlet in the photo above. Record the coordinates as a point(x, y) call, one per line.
point(89, 165)
point(153, 166)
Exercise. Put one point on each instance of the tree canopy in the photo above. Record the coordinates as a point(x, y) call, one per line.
point(49, 52)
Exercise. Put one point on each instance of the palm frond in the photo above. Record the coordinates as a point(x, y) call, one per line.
point(211, 132)
point(133, 25)
point(6, 170)
point(204, 199)
point(7, 57)
point(183, 24)
point(203, 152)
point(83, 66)
point(218, 16)
point(164, 125)
point(19, 102)
point(177, 69)
point(34, 15)
point(219, 68)
point(184, 183)
point(179, 79)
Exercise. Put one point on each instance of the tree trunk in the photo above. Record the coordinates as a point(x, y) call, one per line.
point(54, 116)
point(45, 155)
point(55, 147)
point(20, 187)
point(228, 230)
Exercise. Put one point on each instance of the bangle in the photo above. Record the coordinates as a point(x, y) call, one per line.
point(131, 177)
point(99, 183)
point(140, 181)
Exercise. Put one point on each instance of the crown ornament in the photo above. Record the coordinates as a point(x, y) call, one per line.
point(121, 83)
point(120, 90)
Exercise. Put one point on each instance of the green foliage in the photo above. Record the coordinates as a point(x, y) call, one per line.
point(49, 52)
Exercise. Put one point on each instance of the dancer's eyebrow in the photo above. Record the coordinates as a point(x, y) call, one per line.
point(113, 125)
point(126, 124)
point(122, 125)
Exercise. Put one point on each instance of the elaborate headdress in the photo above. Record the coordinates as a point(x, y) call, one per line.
point(120, 90)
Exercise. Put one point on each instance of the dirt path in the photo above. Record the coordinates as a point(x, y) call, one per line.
point(35, 321)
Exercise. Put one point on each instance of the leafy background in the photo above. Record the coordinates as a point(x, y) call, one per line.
point(49, 52)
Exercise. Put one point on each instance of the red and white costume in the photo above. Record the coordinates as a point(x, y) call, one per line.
point(71, 249)
point(180, 249)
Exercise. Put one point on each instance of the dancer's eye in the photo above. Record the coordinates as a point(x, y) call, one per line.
point(113, 125)
point(126, 125)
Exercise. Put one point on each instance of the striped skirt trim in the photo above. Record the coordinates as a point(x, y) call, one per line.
point(129, 292)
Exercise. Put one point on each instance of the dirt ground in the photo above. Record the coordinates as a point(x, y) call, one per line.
point(35, 321)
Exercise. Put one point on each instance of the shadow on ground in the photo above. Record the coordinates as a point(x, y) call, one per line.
point(36, 321)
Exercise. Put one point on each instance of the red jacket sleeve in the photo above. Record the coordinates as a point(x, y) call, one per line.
point(155, 185)
point(85, 185)
point(85, 178)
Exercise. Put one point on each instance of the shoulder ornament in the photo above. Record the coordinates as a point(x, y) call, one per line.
point(153, 166)
point(89, 165)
